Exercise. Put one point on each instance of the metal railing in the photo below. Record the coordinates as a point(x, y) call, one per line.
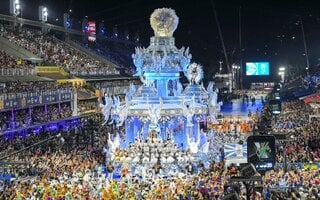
point(10, 96)
point(97, 72)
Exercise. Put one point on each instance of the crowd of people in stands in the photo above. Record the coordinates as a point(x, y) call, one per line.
point(302, 132)
point(34, 115)
point(55, 172)
point(117, 52)
point(8, 88)
point(77, 172)
point(87, 106)
point(55, 52)
point(299, 184)
point(10, 64)
point(301, 146)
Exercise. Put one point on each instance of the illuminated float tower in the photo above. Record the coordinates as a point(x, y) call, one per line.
point(161, 104)
point(162, 61)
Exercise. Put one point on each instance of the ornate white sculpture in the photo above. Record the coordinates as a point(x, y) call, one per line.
point(154, 112)
point(113, 145)
point(138, 59)
point(213, 100)
point(143, 80)
point(210, 87)
point(162, 55)
point(116, 101)
point(213, 105)
point(188, 110)
point(131, 92)
point(194, 73)
point(193, 144)
point(179, 88)
point(132, 88)
point(185, 58)
point(205, 147)
point(122, 111)
point(164, 22)
point(106, 108)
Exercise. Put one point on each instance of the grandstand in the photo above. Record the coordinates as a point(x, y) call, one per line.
point(53, 83)
point(44, 75)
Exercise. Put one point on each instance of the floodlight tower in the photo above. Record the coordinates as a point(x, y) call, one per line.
point(281, 73)
point(16, 10)
point(43, 13)
point(15, 7)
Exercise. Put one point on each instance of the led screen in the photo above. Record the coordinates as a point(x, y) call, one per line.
point(261, 151)
point(257, 68)
point(92, 31)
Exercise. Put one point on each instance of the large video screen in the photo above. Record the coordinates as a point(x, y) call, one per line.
point(257, 68)
point(261, 151)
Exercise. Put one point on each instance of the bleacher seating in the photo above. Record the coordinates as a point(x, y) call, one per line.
point(55, 52)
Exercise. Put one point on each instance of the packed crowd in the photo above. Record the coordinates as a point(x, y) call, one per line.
point(54, 51)
point(10, 64)
point(299, 184)
point(14, 87)
point(44, 166)
point(302, 133)
point(33, 116)
point(56, 172)
point(87, 106)
point(117, 52)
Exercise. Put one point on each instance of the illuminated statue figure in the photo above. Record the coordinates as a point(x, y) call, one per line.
point(123, 113)
point(143, 79)
point(131, 92)
point(205, 147)
point(106, 108)
point(164, 22)
point(192, 144)
point(213, 105)
point(178, 91)
point(188, 110)
point(120, 110)
point(194, 73)
point(113, 145)
point(154, 113)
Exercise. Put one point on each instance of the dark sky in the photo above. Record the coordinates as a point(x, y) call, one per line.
point(270, 29)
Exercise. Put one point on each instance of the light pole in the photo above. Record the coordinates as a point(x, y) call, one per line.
point(282, 73)
point(15, 9)
point(220, 67)
point(305, 47)
point(235, 76)
point(43, 13)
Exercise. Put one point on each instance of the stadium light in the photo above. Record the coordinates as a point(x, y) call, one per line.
point(282, 69)
point(15, 7)
point(43, 13)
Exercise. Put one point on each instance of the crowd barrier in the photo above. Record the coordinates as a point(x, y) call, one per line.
point(17, 72)
point(97, 72)
point(298, 165)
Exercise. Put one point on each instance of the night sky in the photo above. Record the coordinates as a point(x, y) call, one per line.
point(271, 30)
